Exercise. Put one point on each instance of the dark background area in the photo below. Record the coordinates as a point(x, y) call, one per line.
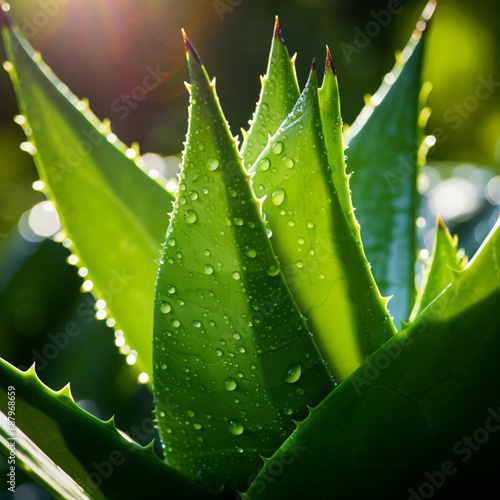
point(102, 50)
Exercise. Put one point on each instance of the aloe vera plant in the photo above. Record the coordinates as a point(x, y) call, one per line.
point(277, 369)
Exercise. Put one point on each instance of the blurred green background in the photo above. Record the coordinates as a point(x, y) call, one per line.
point(103, 50)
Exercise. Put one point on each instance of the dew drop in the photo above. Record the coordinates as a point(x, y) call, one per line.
point(278, 196)
point(165, 308)
point(171, 290)
point(250, 252)
point(206, 253)
point(197, 426)
point(219, 352)
point(299, 391)
point(293, 374)
point(300, 241)
point(190, 216)
point(230, 384)
point(277, 148)
point(196, 323)
point(310, 224)
point(235, 428)
point(238, 221)
point(291, 223)
point(273, 270)
point(208, 269)
point(193, 195)
point(236, 336)
point(242, 350)
point(288, 411)
point(171, 242)
point(288, 162)
point(264, 164)
point(299, 263)
point(236, 275)
point(176, 323)
point(213, 164)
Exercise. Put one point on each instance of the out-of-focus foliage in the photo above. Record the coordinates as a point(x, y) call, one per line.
point(119, 39)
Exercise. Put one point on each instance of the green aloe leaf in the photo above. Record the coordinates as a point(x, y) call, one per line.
point(230, 346)
point(383, 155)
point(331, 119)
point(314, 232)
point(278, 96)
point(96, 460)
point(425, 405)
point(438, 270)
point(103, 198)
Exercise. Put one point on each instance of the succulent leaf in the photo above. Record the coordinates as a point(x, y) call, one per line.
point(383, 155)
point(230, 346)
point(103, 197)
point(438, 270)
point(315, 235)
point(413, 407)
point(278, 96)
point(75, 454)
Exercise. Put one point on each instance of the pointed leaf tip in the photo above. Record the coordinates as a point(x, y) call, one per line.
point(329, 62)
point(190, 48)
point(440, 223)
point(313, 65)
point(277, 31)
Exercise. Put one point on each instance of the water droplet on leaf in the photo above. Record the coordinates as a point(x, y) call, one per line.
point(250, 252)
point(278, 196)
point(293, 374)
point(190, 216)
point(277, 148)
point(264, 164)
point(230, 384)
point(235, 428)
point(273, 270)
point(208, 269)
point(213, 164)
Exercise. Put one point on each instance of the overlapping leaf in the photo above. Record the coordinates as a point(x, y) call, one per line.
point(95, 459)
point(231, 350)
point(315, 235)
point(383, 155)
point(438, 272)
point(278, 96)
point(104, 199)
point(425, 408)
